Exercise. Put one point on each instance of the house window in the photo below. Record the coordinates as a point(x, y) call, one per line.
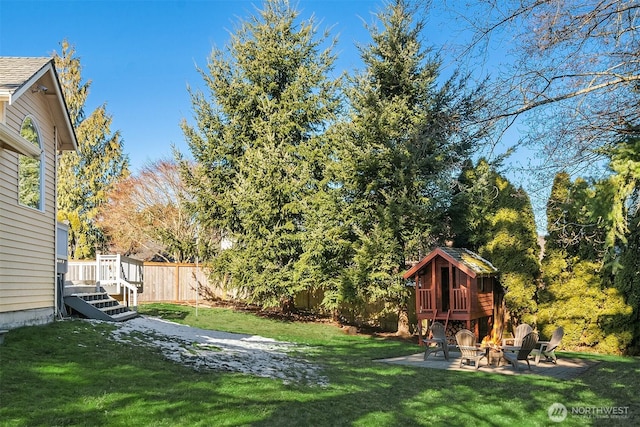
point(30, 169)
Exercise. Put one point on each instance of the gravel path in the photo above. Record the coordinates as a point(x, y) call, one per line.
point(203, 349)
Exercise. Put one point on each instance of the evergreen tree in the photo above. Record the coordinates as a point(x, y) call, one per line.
point(472, 205)
point(578, 293)
point(489, 215)
point(625, 183)
point(85, 176)
point(403, 140)
point(627, 280)
point(572, 223)
point(261, 150)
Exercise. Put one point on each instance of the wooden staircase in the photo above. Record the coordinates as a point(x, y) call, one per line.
point(99, 305)
point(446, 319)
point(446, 323)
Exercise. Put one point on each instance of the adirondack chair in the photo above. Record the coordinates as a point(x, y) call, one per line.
point(437, 342)
point(515, 353)
point(548, 348)
point(521, 331)
point(469, 350)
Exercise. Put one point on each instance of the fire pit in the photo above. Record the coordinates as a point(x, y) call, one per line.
point(494, 357)
point(492, 345)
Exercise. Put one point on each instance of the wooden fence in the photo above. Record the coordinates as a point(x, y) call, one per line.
point(165, 282)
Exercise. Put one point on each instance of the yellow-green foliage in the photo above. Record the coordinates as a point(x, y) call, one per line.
point(512, 248)
point(588, 289)
point(489, 215)
point(85, 177)
point(574, 298)
point(520, 295)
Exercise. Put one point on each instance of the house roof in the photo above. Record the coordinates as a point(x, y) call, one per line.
point(469, 262)
point(20, 74)
point(15, 72)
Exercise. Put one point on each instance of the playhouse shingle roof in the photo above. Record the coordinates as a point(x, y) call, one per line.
point(468, 261)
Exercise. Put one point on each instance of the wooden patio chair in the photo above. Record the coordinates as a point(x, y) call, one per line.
point(437, 342)
point(548, 348)
point(520, 332)
point(514, 354)
point(469, 350)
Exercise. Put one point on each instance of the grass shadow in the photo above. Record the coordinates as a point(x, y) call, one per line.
point(165, 311)
point(71, 373)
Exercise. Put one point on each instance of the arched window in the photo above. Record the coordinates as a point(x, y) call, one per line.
point(30, 169)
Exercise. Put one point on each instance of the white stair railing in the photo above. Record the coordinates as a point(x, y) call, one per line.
point(81, 271)
point(110, 272)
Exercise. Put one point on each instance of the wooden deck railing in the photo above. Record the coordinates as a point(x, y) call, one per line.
point(425, 299)
point(460, 299)
point(81, 271)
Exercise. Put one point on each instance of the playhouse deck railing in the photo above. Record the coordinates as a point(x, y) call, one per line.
point(426, 301)
point(460, 300)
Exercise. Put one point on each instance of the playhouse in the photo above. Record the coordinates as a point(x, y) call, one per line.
point(456, 287)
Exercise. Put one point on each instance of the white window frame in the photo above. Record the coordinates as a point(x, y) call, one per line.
point(41, 203)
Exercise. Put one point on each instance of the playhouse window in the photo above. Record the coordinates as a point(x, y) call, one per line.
point(30, 169)
point(459, 279)
point(424, 279)
point(484, 284)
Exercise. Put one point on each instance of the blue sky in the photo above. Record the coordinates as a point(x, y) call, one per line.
point(140, 55)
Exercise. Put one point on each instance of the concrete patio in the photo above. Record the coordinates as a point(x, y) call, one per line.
point(566, 368)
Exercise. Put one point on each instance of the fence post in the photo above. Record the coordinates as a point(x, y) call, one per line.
point(176, 279)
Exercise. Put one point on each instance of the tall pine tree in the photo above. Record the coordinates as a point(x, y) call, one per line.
point(407, 132)
point(260, 147)
point(86, 176)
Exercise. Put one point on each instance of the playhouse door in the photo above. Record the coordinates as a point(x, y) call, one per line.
point(444, 288)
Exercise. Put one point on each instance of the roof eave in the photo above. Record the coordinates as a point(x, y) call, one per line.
point(70, 141)
point(67, 140)
point(14, 94)
point(413, 270)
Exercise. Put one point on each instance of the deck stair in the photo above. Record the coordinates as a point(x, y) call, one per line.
point(441, 316)
point(99, 305)
point(105, 289)
point(446, 321)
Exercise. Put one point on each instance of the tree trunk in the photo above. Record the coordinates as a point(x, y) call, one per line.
point(403, 322)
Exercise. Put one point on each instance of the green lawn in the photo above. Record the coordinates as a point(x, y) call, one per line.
point(72, 373)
